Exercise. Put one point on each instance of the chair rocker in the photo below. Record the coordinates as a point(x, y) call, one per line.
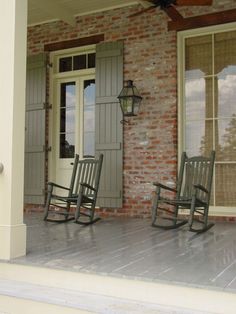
point(193, 192)
point(82, 193)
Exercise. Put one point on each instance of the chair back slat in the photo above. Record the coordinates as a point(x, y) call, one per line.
point(194, 171)
point(73, 176)
point(88, 171)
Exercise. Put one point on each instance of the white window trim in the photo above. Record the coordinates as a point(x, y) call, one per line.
point(181, 36)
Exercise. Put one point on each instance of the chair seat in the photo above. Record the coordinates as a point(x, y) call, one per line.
point(183, 202)
point(82, 193)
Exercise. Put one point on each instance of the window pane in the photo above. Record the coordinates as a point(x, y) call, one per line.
point(67, 122)
point(226, 135)
point(198, 97)
point(68, 94)
point(67, 145)
point(89, 117)
point(225, 185)
point(226, 86)
point(79, 62)
point(89, 148)
point(65, 64)
point(199, 138)
point(225, 47)
point(91, 60)
point(198, 54)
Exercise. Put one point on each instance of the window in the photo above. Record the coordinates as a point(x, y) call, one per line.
point(76, 62)
point(208, 111)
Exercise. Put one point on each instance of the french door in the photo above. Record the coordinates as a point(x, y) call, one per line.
point(75, 123)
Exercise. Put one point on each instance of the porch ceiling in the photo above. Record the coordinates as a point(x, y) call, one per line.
point(43, 11)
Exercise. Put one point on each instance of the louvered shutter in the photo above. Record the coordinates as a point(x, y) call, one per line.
point(108, 129)
point(35, 130)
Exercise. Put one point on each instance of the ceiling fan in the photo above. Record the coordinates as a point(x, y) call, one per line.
point(169, 6)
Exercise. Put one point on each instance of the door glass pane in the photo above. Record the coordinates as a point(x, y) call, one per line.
point(89, 117)
point(67, 145)
point(67, 120)
point(67, 123)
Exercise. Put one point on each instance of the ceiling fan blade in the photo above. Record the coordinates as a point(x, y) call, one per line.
point(142, 11)
point(146, 3)
point(193, 2)
point(173, 13)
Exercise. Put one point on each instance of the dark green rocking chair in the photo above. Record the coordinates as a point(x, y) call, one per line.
point(193, 192)
point(81, 194)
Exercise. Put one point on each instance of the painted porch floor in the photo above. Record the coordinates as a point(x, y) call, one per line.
point(131, 248)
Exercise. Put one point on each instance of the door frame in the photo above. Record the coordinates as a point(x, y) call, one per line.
point(54, 76)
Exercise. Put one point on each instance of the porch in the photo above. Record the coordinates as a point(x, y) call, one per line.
point(175, 269)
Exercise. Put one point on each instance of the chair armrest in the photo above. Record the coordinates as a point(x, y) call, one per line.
point(165, 187)
point(200, 187)
point(85, 185)
point(52, 184)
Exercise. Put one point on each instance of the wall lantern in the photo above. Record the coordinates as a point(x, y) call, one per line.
point(130, 100)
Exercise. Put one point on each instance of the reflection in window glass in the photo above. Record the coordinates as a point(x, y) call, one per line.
point(67, 145)
point(226, 81)
point(67, 120)
point(226, 139)
point(198, 138)
point(210, 107)
point(195, 98)
point(89, 117)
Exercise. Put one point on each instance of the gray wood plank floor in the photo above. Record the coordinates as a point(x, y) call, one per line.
point(131, 248)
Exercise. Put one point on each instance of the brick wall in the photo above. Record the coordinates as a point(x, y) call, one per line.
point(150, 140)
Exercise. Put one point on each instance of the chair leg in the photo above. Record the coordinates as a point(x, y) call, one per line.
point(47, 209)
point(154, 208)
point(206, 226)
point(175, 222)
point(78, 212)
point(47, 205)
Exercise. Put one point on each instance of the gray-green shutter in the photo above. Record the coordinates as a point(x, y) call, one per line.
point(35, 130)
point(108, 129)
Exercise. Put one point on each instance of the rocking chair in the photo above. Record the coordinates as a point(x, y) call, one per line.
point(193, 192)
point(82, 193)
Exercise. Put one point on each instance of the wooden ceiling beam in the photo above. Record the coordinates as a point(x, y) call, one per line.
point(203, 20)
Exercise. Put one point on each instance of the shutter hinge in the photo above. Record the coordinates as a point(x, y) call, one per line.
point(48, 149)
point(47, 106)
point(49, 64)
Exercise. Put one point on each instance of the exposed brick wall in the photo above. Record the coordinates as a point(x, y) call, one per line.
point(150, 59)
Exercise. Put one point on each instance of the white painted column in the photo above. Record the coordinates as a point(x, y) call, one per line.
point(13, 33)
